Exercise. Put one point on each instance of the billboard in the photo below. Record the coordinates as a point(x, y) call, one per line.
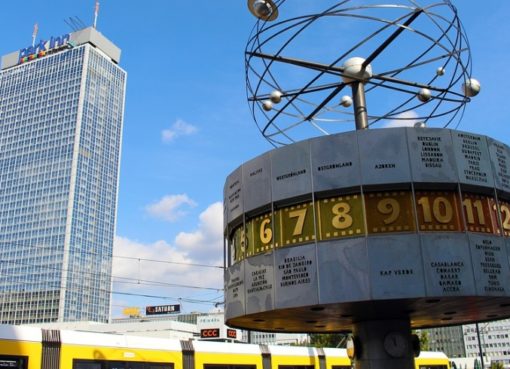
point(162, 309)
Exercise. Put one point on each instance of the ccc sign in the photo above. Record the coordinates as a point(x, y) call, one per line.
point(210, 333)
point(231, 333)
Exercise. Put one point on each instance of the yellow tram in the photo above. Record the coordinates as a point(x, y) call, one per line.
point(36, 348)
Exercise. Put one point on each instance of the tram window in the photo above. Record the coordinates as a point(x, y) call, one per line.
point(13, 362)
point(228, 366)
point(340, 367)
point(295, 367)
point(86, 365)
point(96, 364)
point(115, 365)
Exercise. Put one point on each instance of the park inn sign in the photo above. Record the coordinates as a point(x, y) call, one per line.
point(42, 48)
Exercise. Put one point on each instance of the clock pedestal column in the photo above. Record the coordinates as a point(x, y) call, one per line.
point(383, 344)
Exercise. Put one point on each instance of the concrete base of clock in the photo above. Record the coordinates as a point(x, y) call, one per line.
point(383, 344)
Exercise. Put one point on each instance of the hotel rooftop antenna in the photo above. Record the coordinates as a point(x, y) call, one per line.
point(96, 12)
point(34, 33)
point(75, 23)
point(72, 24)
point(78, 22)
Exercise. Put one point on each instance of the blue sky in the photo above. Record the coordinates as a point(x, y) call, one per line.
point(187, 124)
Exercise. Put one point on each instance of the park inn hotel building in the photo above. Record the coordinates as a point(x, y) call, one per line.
point(61, 116)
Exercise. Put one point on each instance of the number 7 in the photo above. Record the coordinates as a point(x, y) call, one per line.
point(300, 214)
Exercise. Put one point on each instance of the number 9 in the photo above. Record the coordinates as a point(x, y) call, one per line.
point(391, 207)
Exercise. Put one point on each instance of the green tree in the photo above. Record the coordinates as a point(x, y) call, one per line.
point(328, 340)
point(497, 365)
point(424, 341)
point(477, 364)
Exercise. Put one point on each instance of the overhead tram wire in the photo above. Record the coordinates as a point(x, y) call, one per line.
point(169, 262)
point(127, 280)
point(91, 274)
point(119, 256)
point(135, 281)
point(183, 299)
point(191, 301)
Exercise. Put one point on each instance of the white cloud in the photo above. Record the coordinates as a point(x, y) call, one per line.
point(130, 260)
point(179, 128)
point(206, 243)
point(170, 207)
point(405, 119)
point(135, 263)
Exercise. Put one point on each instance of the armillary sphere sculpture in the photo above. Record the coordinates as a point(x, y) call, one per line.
point(406, 62)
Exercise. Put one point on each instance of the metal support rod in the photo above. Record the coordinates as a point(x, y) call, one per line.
point(390, 39)
point(479, 345)
point(360, 105)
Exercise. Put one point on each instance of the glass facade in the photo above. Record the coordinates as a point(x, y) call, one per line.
point(60, 138)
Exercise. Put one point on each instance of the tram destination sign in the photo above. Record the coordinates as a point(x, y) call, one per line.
point(162, 309)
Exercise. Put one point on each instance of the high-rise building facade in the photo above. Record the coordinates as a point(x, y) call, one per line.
point(491, 339)
point(61, 117)
point(449, 340)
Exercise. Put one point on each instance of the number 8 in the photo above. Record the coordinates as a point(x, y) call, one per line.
point(342, 219)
